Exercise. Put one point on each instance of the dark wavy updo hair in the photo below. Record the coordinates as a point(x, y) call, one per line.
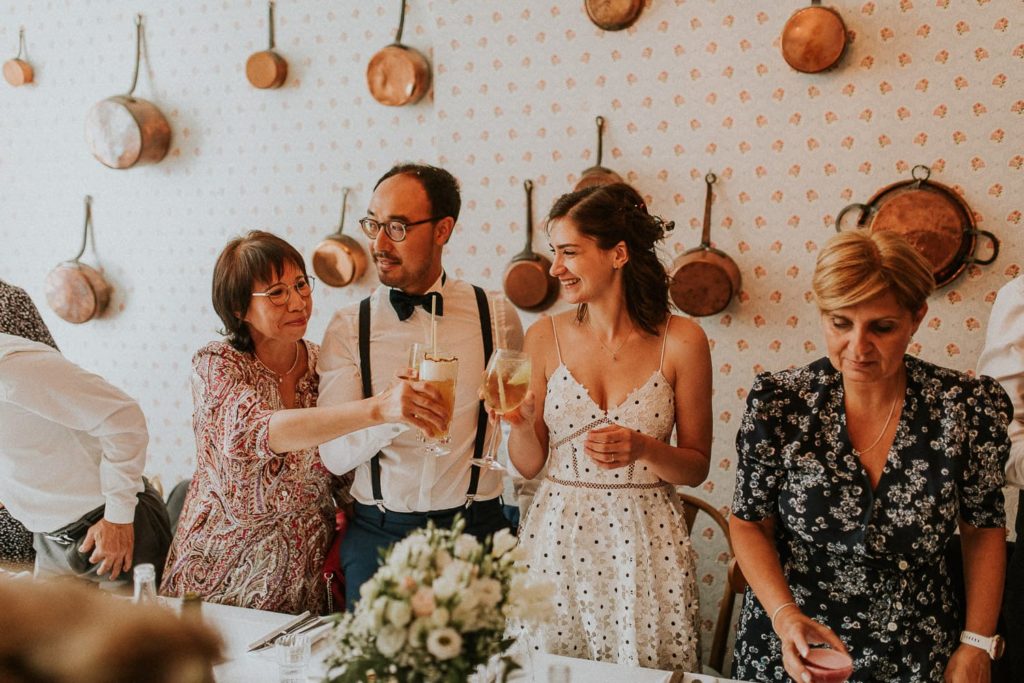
point(256, 256)
point(615, 213)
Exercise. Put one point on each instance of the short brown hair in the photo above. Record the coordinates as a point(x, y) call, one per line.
point(256, 256)
point(858, 265)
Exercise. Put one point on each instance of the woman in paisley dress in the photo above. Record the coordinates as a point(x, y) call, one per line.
point(259, 513)
point(854, 474)
point(611, 379)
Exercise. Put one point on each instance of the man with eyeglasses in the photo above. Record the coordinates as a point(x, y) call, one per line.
point(398, 486)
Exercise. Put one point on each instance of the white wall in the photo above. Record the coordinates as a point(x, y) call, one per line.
point(695, 85)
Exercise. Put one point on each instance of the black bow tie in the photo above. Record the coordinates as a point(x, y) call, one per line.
point(404, 304)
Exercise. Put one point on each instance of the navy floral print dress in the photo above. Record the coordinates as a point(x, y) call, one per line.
point(869, 564)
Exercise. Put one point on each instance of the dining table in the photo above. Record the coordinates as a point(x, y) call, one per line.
point(240, 627)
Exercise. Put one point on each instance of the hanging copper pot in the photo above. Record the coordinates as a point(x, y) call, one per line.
point(397, 74)
point(528, 282)
point(339, 260)
point(614, 15)
point(17, 71)
point(267, 69)
point(598, 174)
point(123, 130)
point(814, 38)
point(930, 216)
point(704, 279)
point(75, 291)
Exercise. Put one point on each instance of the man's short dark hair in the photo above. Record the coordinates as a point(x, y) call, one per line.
point(441, 187)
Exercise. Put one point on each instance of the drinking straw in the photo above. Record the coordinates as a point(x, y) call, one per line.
point(433, 326)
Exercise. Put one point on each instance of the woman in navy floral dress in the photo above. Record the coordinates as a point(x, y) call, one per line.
point(854, 473)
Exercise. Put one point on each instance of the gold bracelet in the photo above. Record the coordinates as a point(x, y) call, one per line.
point(779, 609)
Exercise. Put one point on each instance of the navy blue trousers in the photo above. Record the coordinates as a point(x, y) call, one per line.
point(370, 531)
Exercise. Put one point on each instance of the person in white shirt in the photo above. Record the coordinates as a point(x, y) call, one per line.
point(71, 462)
point(1003, 359)
point(398, 485)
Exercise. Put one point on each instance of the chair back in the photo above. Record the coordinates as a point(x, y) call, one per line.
point(734, 583)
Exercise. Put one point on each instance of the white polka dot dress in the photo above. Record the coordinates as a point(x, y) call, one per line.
point(614, 542)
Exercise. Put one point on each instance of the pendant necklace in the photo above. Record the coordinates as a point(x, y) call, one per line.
point(885, 427)
point(614, 353)
point(280, 377)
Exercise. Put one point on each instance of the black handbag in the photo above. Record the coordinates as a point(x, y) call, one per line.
point(70, 537)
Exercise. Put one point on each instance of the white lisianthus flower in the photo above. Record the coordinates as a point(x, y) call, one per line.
point(444, 643)
point(504, 541)
point(488, 592)
point(440, 617)
point(390, 640)
point(465, 545)
point(445, 586)
point(442, 558)
point(398, 612)
point(380, 606)
point(422, 602)
point(418, 631)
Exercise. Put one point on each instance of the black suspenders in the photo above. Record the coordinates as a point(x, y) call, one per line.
point(481, 420)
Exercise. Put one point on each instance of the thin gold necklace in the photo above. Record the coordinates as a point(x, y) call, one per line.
point(613, 353)
point(280, 377)
point(892, 411)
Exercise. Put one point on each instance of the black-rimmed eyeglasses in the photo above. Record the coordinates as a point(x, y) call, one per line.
point(280, 293)
point(395, 230)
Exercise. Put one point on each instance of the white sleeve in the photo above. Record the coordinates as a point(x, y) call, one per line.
point(51, 386)
point(1003, 360)
point(341, 382)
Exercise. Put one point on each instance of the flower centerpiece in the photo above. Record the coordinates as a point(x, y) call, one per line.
point(437, 610)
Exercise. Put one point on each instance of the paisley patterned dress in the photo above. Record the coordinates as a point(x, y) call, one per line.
point(255, 524)
point(869, 563)
point(614, 542)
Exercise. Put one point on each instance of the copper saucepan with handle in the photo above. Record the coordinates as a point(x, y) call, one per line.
point(704, 279)
point(932, 217)
point(397, 74)
point(339, 260)
point(17, 71)
point(814, 39)
point(528, 282)
point(614, 15)
point(124, 131)
point(598, 174)
point(267, 69)
point(75, 291)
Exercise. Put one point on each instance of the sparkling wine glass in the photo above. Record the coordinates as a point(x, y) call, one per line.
point(505, 383)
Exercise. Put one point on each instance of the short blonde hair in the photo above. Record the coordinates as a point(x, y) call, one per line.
point(858, 265)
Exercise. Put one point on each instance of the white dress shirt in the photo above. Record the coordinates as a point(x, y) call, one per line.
point(413, 480)
point(70, 441)
point(1003, 360)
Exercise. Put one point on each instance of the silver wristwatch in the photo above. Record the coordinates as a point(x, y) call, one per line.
point(994, 646)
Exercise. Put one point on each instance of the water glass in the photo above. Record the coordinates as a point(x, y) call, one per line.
point(292, 657)
point(559, 673)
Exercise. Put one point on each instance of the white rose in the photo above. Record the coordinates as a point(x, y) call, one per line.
point(422, 602)
point(390, 640)
point(444, 643)
point(503, 542)
point(465, 545)
point(399, 613)
point(445, 586)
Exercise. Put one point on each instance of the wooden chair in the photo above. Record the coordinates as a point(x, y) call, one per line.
point(735, 584)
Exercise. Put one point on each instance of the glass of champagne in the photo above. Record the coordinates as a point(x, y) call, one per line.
point(506, 381)
point(441, 370)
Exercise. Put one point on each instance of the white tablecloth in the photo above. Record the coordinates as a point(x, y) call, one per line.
point(240, 627)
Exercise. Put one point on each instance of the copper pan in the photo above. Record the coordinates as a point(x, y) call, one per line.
point(77, 292)
point(267, 69)
point(398, 75)
point(614, 15)
point(17, 71)
point(123, 130)
point(598, 174)
point(704, 279)
point(930, 216)
point(814, 38)
point(528, 282)
point(339, 260)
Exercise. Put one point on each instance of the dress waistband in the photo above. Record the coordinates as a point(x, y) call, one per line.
point(601, 487)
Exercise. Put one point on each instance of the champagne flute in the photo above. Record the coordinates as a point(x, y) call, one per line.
point(441, 370)
point(506, 381)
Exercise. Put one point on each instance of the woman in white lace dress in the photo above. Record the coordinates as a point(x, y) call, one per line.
point(611, 379)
